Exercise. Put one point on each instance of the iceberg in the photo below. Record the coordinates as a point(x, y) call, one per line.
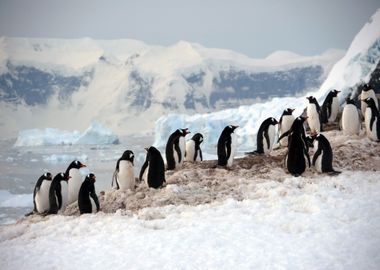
point(95, 134)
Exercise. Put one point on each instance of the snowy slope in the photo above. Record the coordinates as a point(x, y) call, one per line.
point(66, 84)
point(355, 67)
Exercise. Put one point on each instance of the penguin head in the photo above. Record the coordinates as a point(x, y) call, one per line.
point(62, 176)
point(232, 128)
point(366, 87)
point(183, 131)
point(288, 111)
point(273, 121)
point(311, 99)
point(76, 164)
point(335, 92)
point(198, 138)
point(128, 155)
point(47, 176)
point(310, 140)
point(91, 177)
point(350, 100)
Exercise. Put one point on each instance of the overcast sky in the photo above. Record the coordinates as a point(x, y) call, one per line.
point(253, 27)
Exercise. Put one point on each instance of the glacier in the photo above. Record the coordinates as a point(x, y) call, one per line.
point(95, 134)
point(355, 67)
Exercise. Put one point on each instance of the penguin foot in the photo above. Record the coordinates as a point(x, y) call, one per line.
point(30, 213)
point(257, 153)
point(334, 173)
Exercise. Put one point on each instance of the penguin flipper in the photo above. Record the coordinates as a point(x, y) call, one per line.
point(114, 178)
point(256, 152)
point(284, 135)
point(95, 198)
point(178, 150)
point(316, 155)
point(143, 168)
point(266, 135)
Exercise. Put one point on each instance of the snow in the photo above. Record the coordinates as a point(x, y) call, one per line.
point(294, 224)
point(95, 134)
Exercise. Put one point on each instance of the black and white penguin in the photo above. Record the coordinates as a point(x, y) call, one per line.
point(41, 193)
point(175, 149)
point(76, 180)
point(367, 92)
point(227, 145)
point(313, 112)
point(297, 157)
point(124, 177)
point(351, 123)
point(153, 170)
point(323, 156)
point(193, 148)
point(285, 124)
point(56, 202)
point(330, 107)
point(87, 199)
point(266, 136)
point(372, 120)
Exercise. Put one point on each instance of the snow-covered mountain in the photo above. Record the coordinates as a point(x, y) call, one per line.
point(360, 64)
point(123, 83)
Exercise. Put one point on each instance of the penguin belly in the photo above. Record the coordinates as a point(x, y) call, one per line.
point(367, 94)
point(318, 161)
point(233, 149)
point(271, 135)
point(75, 183)
point(145, 176)
point(286, 124)
point(350, 120)
point(42, 197)
point(64, 193)
point(313, 118)
point(182, 146)
point(334, 110)
point(367, 119)
point(190, 151)
point(125, 176)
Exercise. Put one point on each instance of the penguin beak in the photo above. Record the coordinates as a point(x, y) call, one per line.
point(83, 166)
point(68, 178)
point(292, 110)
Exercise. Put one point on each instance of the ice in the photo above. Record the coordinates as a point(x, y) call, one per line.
point(63, 158)
point(8, 199)
point(95, 134)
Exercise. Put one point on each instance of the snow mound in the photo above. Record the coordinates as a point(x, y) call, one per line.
point(95, 134)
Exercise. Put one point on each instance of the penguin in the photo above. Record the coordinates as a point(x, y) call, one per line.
point(351, 123)
point(330, 107)
point(367, 92)
point(313, 112)
point(265, 136)
point(323, 156)
point(297, 157)
point(41, 193)
point(193, 148)
point(372, 120)
point(88, 201)
point(153, 170)
point(75, 180)
point(55, 193)
point(175, 149)
point(227, 144)
point(285, 124)
point(123, 177)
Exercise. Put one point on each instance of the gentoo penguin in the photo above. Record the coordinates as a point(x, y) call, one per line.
point(285, 124)
point(123, 177)
point(266, 136)
point(87, 200)
point(298, 154)
point(330, 107)
point(75, 180)
point(175, 149)
point(153, 170)
point(41, 193)
point(313, 112)
point(227, 144)
point(193, 148)
point(367, 92)
point(351, 123)
point(323, 156)
point(372, 120)
point(55, 193)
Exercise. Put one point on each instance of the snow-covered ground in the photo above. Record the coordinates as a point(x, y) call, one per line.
point(254, 216)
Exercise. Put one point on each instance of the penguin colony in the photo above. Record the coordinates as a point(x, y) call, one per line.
point(52, 194)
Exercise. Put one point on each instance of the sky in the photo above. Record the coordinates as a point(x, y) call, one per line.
point(252, 27)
